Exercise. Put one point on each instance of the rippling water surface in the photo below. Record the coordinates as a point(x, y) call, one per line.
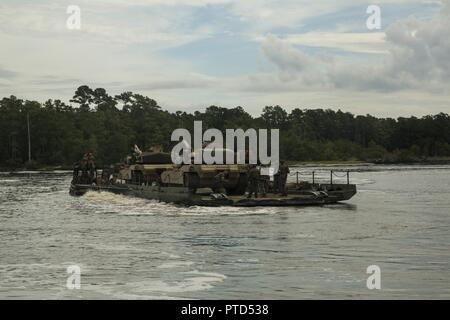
point(131, 248)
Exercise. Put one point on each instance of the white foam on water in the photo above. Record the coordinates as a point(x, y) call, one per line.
point(119, 293)
point(170, 255)
point(209, 274)
point(104, 247)
point(248, 260)
point(224, 211)
point(303, 236)
point(198, 282)
point(372, 191)
point(112, 198)
point(175, 264)
point(107, 202)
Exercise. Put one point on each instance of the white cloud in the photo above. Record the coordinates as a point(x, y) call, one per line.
point(265, 15)
point(418, 58)
point(421, 49)
point(120, 48)
point(370, 42)
point(100, 24)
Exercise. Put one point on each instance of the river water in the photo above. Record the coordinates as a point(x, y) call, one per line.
point(129, 248)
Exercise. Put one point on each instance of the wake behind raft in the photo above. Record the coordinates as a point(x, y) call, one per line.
point(152, 175)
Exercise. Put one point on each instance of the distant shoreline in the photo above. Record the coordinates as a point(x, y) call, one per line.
point(433, 161)
point(325, 163)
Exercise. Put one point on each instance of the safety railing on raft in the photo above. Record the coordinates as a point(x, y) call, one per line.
point(297, 174)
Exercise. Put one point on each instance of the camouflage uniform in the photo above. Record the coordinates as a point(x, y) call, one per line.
point(219, 183)
point(253, 182)
point(282, 178)
point(263, 185)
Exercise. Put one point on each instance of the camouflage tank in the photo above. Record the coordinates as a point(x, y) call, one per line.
point(155, 167)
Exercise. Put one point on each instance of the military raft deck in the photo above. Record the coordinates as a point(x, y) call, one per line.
point(319, 194)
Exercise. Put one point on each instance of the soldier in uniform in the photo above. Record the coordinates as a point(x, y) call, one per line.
point(84, 179)
point(276, 179)
point(263, 185)
point(220, 181)
point(253, 181)
point(90, 166)
point(282, 178)
point(76, 170)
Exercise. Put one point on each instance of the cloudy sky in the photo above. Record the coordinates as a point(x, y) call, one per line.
point(189, 54)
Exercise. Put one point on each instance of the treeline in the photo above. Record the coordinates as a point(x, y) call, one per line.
point(110, 125)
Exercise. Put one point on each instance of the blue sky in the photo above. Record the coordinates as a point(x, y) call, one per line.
point(189, 54)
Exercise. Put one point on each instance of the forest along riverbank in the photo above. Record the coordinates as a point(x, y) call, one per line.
point(109, 125)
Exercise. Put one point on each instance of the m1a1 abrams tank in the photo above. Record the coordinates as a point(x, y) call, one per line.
point(152, 175)
point(156, 168)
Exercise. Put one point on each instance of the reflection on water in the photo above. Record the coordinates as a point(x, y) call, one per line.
point(132, 248)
